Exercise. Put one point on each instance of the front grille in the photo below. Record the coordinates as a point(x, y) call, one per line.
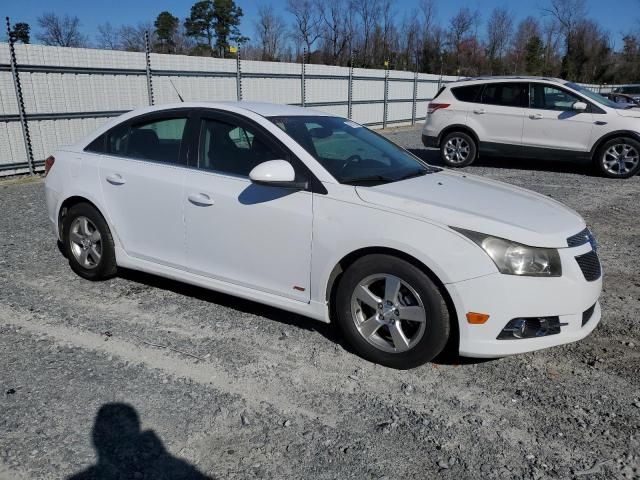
point(579, 238)
point(587, 314)
point(590, 265)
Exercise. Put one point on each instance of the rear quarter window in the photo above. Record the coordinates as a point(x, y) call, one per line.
point(469, 93)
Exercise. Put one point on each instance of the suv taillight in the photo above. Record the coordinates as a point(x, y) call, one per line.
point(432, 107)
point(48, 163)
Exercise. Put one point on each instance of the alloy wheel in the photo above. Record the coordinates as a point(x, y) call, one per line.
point(457, 150)
point(86, 242)
point(620, 159)
point(388, 313)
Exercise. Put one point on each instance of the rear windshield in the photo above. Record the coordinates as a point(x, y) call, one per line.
point(632, 90)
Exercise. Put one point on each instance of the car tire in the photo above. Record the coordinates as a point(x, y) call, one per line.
point(618, 158)
point(401, 330)
point(458, 149)
point(88, 244)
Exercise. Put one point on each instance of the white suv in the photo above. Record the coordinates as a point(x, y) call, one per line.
point(533, 117)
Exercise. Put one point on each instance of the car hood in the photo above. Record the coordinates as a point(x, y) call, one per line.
point(479, 204)
point(630, 112)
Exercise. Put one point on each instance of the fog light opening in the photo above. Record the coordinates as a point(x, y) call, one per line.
point(533, 327)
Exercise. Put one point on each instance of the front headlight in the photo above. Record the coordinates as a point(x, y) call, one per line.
point(513, 258)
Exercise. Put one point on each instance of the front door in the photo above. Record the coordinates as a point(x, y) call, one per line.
point(552, 123)
point(236, 231)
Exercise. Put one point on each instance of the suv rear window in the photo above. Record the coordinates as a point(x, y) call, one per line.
point(506, 94)
point(469, 93)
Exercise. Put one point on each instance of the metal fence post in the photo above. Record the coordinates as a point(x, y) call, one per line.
point(238, 76)
point(386, 94)
point(415, 97)
point(147, 53)
point(350, 90)
point(303, 93)
point(20, 99)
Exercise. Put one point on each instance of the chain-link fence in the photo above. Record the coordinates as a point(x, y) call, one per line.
point(53, 96)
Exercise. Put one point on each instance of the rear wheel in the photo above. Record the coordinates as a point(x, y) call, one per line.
point(391, 312)
point(88, 244)
point(458, 150)
point(619, 158)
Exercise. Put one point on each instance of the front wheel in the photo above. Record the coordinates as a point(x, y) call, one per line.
point(458, 150)
point(619, 158)
point(391, 312)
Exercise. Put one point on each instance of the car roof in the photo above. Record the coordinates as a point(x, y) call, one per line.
point(264, 109)
point(509, 77)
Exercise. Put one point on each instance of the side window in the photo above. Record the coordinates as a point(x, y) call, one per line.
point(117, 139)
point(546, 97)
point(158, 140)
point(97, 146)
point(505, 94)
point(469, 93)
point(228, 148)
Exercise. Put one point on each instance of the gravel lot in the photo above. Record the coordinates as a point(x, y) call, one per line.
point(274, 395)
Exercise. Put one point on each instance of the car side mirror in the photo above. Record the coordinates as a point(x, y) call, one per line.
point(276, 173)
point(580, 106)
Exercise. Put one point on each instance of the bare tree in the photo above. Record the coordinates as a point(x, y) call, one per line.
point(132, 36)
point(499, 31)
point(60, 31)
point(367, 12)
point(270, 31)
point(461, 27)
point(108, 37)
point(306, 22)
point(336, 27)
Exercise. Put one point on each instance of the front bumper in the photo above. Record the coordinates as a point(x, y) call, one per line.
point(505, 297)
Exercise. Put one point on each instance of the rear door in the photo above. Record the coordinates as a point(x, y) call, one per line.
point(498, 118)
point(142, 175)
point(552, 123)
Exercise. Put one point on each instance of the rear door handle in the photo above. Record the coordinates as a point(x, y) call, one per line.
point(200, 199)
point(479, 111)
point(536, 116)
point(116, 179)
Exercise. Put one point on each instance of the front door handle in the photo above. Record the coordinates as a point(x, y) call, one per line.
point(200, 199)
point(479, 111)
point(536, 116)
point(116, 179)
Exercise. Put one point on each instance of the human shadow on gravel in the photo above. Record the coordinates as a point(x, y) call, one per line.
point(432, 156)
point(126, 452)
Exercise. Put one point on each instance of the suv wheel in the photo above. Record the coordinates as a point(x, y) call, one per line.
point(391, 312)
point(619, 158)
point(88, 243)
point(458, 150)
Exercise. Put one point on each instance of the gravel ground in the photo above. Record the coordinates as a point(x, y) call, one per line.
point(140, 377)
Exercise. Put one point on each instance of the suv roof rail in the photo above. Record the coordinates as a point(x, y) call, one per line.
point(511, 77)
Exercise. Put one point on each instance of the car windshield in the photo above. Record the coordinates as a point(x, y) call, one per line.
point(596, 97)
point(352, 153)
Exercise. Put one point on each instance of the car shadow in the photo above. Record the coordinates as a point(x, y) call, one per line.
point(327, 330)
point(125, 451)
point(432, 156)
point(330, 331)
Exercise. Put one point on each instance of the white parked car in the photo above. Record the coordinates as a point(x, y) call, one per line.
point(533, 117)
point(318, 215)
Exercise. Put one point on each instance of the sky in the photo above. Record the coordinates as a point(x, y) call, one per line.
point(616, 16)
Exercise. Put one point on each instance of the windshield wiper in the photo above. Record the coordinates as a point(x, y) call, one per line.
point(367, 179)
point(418, 173)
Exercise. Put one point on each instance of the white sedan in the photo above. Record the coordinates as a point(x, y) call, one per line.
point(317, 215)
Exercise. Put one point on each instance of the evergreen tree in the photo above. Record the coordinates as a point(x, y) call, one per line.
point(215, 18)
point(534, 56)
point(166, 28)
point(21, 32)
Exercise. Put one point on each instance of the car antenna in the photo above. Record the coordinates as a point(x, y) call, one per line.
point(177, 92)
